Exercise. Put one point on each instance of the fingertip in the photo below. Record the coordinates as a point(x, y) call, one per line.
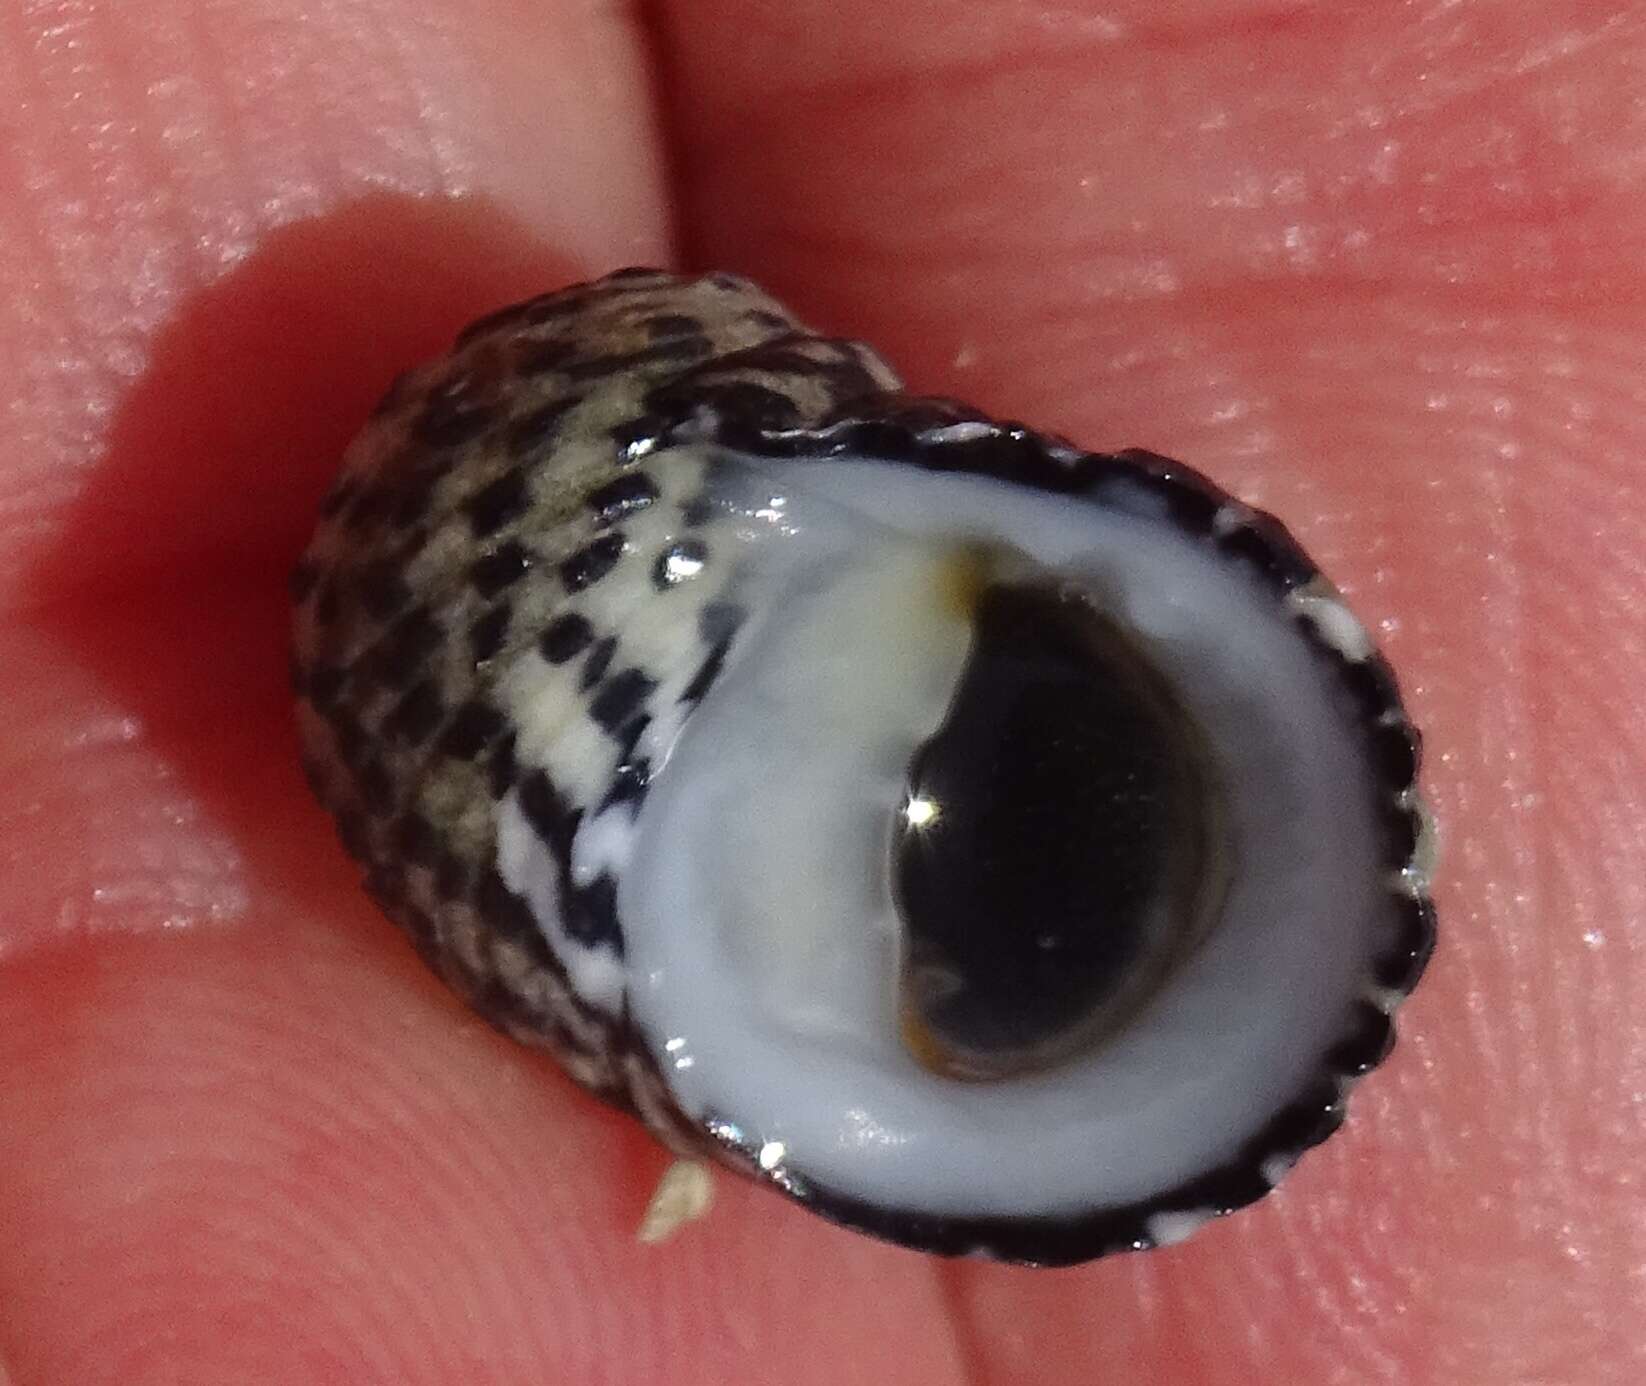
point(221, 230)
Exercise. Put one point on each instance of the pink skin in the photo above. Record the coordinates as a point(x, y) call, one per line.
point(1375, 266)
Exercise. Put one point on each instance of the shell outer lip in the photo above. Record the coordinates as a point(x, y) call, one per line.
point(944, 435)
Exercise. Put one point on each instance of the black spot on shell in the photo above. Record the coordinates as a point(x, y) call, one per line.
point(502, 770)
point(410, 545)
point(707, 672)
point(419, 924)
point(566, 637)
point(631, 492)
point(1008, 451)
point(415, 840)
point(1371, 682)
point(1395, 751)
point(628, 736)
point(1221, 1192)
point(502, 909)
point(629, 784)
point(826, 363)
point(496, 503)
point(1164, 468)
point(679, 563)
point(364, 510)
point(1193, 510)
point(550, 815)
point(352, 832)
point(451, 876)
point(666, 325)
point(354, 748)
point(534, 432)
point(681, 349)
point(620, 698)
point(491, 574)
point(634, 438)
point(746, 410)
point(408, 499)
point(1402, 965)
point(537, 358)
point(486, 634)
point(591, 918)
point(381, 589)
point(472, 727)
point(538, 950)
point(453, 415)
point(1367, 1044)
point(1401, 829)
point(337, 498)
point(1305, 1123)
point(599, 660)
point(698, 511)
point(1270, 550)
point(323, 684)
point(402, 654)
point(592, 562)
point(416, 715)
point(376, 787)
point(327, 605)
point(552, 307)
point(386, 884)
point(719, 621)
point(1189, 498)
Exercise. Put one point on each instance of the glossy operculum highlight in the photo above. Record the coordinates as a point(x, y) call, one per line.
point(1061, 847)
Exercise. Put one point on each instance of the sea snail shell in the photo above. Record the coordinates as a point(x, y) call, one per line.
point(996, 846)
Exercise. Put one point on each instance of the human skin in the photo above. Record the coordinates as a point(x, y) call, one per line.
point(1374, 266)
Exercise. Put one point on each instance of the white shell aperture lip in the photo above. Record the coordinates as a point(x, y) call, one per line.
point(761, 933)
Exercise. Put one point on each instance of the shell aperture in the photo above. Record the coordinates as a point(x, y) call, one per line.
point(1059, 820)
point(992, 845)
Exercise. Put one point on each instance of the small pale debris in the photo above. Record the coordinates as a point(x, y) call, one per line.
point(1319, 603)
point(684, 1194)
point(1170, 1228)
point(1276, 1168)
point(1386, 999)
point(1426, 851)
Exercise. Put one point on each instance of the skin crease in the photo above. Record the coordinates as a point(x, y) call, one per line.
point(1374, 266)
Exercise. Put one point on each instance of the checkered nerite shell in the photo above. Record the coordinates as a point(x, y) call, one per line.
point(493, 530)
point(521, 586)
